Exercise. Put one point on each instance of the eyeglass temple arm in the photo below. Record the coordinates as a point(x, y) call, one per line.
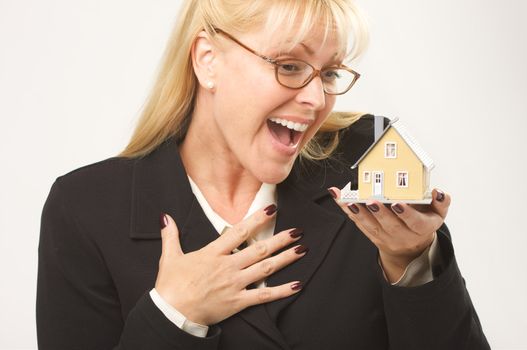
point(268, 59)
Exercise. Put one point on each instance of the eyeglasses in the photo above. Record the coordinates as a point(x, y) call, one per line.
point(295, 73)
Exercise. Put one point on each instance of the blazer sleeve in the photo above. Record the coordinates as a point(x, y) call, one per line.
point(77, 303)
point(436, 315)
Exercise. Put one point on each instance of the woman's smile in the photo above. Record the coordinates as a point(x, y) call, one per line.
point(286, 134)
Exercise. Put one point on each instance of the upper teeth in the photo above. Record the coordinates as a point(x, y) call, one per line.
point(290, 125)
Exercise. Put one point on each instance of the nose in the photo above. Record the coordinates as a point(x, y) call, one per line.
point(312, 95)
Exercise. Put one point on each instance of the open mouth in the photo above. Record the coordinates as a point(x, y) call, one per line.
point(286, 132)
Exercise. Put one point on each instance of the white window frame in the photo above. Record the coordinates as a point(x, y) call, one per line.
point(386, 155)
point(397, 179)
point(366, 177)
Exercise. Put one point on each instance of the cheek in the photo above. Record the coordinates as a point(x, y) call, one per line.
point(323, 114)
point(330, 103)
point(244, 105)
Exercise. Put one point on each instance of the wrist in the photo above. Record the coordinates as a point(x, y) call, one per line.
point(187, 310)
point(393, 268)
point(192, 316)
point(395, 265)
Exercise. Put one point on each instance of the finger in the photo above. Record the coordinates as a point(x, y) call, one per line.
point(418, 221)
point(387, 219)
point(350, 209)
point(169, 236)
point(363, 219)
point(264, 248)
point(257, 296)
point(271, 265)
point(366, 222)
point(440, 202)
point(335, 193)
point(242, 231)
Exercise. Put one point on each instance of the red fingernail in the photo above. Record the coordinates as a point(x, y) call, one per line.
point(397, 208)
point(440, 196)
point(296, 232)
point(333, 193)
point(163, 221)
point(373, 207)
point(297, 286)
point(301, 249)
point(354, 208)
point(270, 210)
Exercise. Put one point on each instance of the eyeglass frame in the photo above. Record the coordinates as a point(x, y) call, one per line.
point(276, 64)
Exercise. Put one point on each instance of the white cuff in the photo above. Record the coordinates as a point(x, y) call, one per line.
point(419, 270)
point(177, 317)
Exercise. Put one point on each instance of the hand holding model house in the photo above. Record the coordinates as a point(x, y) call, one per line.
point(395, 170)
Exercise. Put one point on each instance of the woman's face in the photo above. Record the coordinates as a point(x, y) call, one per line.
point(249, 106)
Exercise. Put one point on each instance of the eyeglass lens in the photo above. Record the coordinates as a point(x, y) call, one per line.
point(296, 74)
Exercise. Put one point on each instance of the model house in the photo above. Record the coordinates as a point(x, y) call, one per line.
point(394, 168)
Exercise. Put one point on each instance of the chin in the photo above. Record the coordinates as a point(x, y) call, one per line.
point(273, 175)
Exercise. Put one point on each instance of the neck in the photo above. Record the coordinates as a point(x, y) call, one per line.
point(226, 185)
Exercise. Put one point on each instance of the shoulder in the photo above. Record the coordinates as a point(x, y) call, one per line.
point(89, 187)
point(99, 173)
point(103, 177)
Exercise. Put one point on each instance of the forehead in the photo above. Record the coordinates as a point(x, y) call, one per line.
point(314, 23)
point(284, 25)
point(318, 40)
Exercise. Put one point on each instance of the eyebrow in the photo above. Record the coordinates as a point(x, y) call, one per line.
point(311, 52)
point(307, 49)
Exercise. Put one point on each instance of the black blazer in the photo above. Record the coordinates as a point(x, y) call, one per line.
point(100, 245)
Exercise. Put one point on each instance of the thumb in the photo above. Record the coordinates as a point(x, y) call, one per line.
point(335, 193)
point(169, 236)
point(440, 202)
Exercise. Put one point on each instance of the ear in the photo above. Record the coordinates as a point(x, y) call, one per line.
point(204, 59)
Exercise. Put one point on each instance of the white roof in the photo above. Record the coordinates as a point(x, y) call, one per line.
point(409, 139)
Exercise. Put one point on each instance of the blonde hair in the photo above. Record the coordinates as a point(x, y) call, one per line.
point(169, 107)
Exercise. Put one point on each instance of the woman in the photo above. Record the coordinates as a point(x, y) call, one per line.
point(246, 92)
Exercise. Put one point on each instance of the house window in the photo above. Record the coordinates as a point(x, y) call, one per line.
point(366, 178)
point(402, 179)
point(390, 150)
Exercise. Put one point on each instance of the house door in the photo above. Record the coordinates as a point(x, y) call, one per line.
point(378, 180)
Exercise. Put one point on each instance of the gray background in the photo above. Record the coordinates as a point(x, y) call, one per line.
point(74, 74)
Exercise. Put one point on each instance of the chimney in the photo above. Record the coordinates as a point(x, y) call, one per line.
point(378, 124)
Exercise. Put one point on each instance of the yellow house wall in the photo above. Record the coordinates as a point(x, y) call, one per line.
point(406, 160)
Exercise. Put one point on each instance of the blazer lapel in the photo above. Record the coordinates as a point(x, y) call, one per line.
point(258, 317)
point(295, 209)
point(320, 228)
point(160, 185)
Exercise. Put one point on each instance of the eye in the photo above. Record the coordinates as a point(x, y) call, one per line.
point(331, 74)
point(291, 67)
